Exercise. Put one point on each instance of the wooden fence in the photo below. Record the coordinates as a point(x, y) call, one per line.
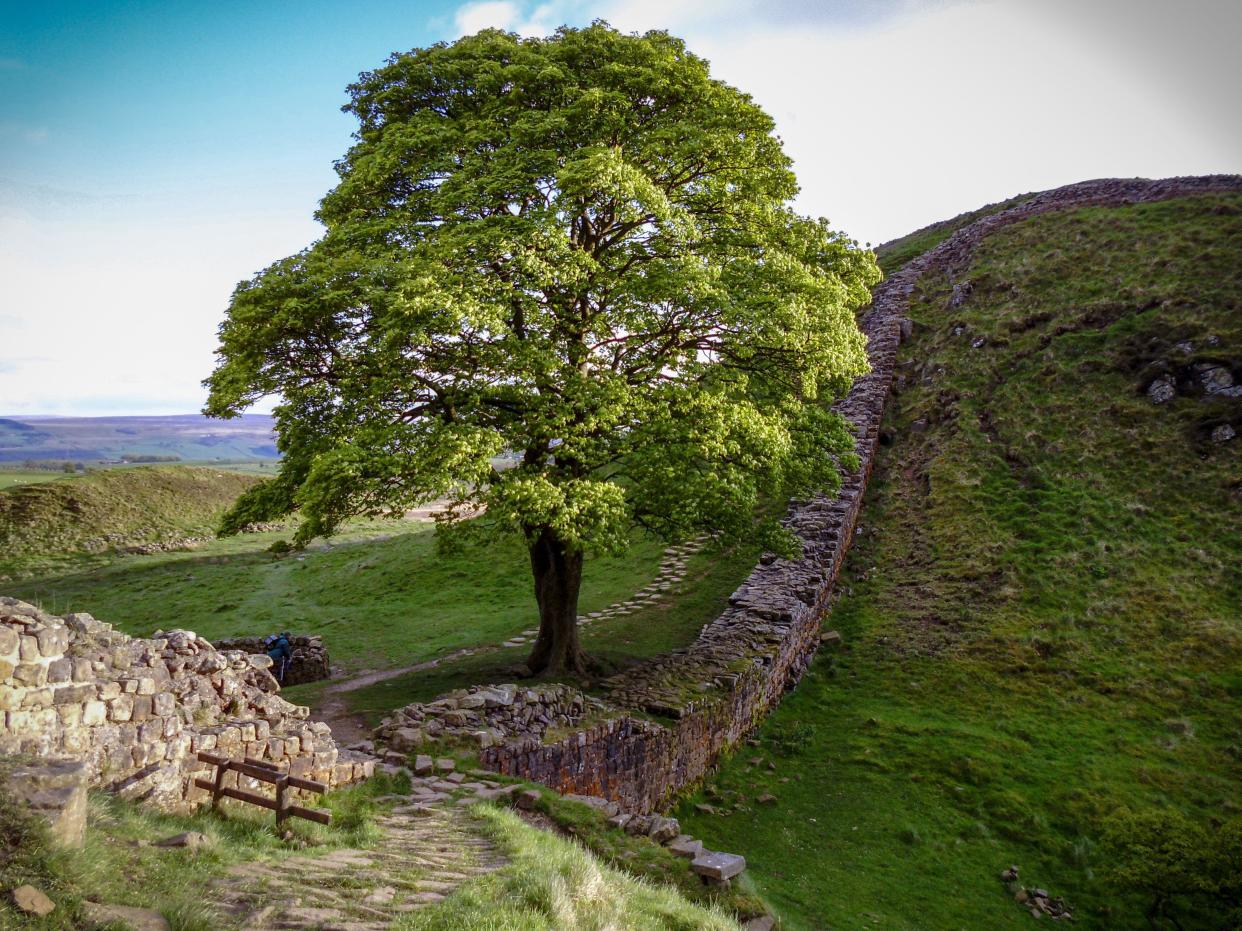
point(263, 772)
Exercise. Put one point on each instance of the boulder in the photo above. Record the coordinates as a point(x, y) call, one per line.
point(32, 901)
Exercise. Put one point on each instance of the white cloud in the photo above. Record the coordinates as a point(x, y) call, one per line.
point(489, 14)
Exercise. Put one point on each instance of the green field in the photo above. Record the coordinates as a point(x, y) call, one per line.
point(383, 596)
point(1043, 612)
point(10, 478)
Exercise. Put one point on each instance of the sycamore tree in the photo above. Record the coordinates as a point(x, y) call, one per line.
point(577, 252)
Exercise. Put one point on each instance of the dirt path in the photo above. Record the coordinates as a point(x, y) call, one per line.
point(350, 727)
point(428, 849)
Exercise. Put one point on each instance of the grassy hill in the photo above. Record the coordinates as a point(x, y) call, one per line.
point(1043, 610)
point(47, 523)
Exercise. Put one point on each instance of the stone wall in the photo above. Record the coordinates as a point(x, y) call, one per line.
point(136, 711)
point(488, 715)
point(710, 695)
point(309, 662)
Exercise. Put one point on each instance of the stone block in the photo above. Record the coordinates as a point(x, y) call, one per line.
point(29, 649)
point(60, 670)
point(718, 866)
point(93, 713)
point(31, 675)
point(141, 707)
point(74, 694)
point(53, 641)
point(10, 697)
point(121, 708)
point(9, 641)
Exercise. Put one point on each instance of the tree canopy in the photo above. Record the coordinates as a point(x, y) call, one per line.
point(576, 250)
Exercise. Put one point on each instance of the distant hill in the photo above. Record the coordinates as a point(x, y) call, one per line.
point(191, 437)
point(112, 509)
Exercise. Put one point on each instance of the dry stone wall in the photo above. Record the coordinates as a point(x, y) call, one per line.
point(135, 712)
point(710, 695)
point(308, 662)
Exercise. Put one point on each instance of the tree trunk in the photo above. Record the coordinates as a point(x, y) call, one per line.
point(558, 577)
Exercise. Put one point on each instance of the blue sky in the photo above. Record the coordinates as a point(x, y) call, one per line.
point(152, 154)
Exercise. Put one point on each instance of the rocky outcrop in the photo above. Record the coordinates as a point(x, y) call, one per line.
point(666, 721)
point(309, 662)
point(135, 712)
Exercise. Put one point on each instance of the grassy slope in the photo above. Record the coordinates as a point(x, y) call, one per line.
point(552, 884)
point(896, 253)
point(175, 882)
point(1044, 607)
point(42, 523)
point(388, 602)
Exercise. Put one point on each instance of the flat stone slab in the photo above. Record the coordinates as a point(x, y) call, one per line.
point(715, 865)
point(684, 846)
point(138, 919)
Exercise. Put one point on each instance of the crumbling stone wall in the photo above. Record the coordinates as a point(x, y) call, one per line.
point(488, 715)
point(136, 711)
point(308, 663)
point(708, 696)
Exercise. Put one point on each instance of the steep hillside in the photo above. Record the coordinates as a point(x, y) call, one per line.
point(1042, 614)
point(111, 509)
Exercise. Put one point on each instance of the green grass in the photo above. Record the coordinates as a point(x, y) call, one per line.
point(378, 603)
point(383, 596)
point(1043, 612)
point(551, 884)
point(892, 255)
point(711, 576)
point(175, 882)
point(52, 524)
point(10, 478)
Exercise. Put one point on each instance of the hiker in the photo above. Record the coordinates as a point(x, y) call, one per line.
point(279, 649)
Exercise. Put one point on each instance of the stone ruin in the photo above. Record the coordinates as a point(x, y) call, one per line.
point(485, 716)
point(662, 724)
point(309, 662)
point(87, 706)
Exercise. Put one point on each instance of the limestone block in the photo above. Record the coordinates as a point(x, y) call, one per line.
point(70, 715)
point(74, 694)
point(30, 674)
point(9, 642)
point(142, 707)
point(10, 697)
point(29, 651)
point(121, 708)
point(93, 713)
point(718, 866)
point(53, 641)
point(56, 790)
point(37, 698)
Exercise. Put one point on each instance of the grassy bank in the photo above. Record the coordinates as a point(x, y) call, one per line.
point(552, 883)
point(119, 866)
point(1043, 611)
point(51, 524)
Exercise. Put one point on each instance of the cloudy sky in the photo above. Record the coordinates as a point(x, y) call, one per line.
point(154, 153)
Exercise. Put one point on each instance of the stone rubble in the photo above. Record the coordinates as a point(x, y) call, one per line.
point(132, 713)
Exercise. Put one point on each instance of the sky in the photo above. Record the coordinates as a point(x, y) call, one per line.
point(153, 154)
